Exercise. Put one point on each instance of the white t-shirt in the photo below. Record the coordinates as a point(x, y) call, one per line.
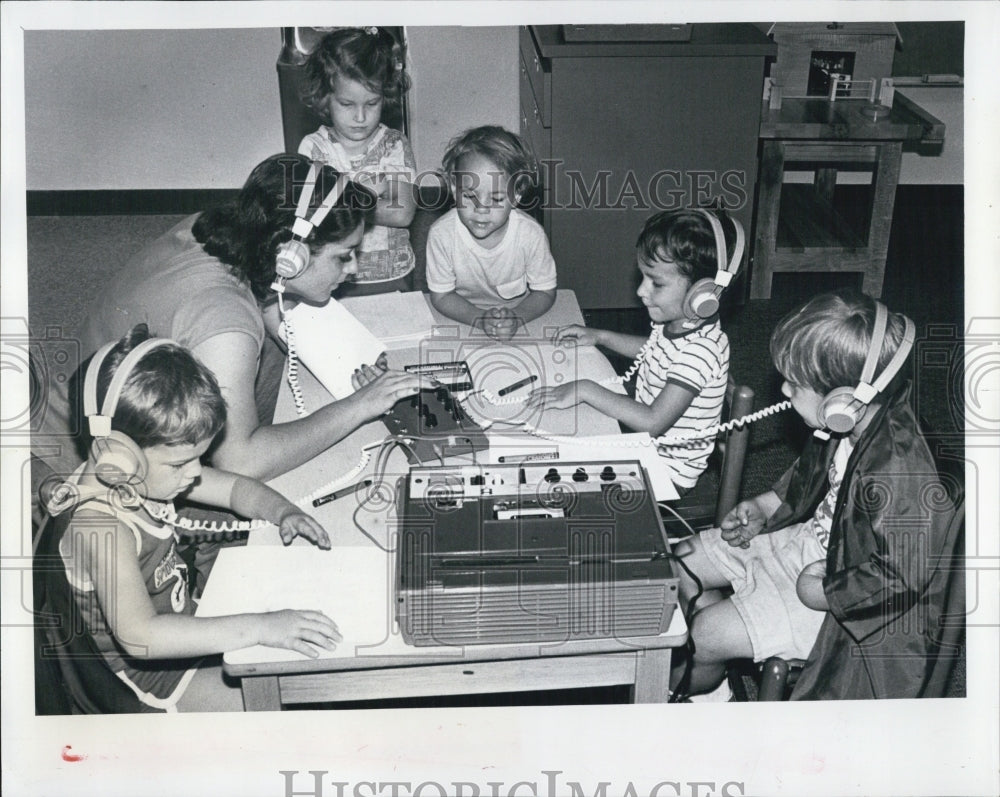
point(489, 277)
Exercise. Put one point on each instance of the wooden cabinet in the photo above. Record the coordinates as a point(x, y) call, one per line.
point(624, 129)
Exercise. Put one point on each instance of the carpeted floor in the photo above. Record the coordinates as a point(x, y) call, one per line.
point(70, 258)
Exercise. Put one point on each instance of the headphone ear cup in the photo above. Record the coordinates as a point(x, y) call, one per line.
point(118, 460)
point(292, 258)
point(700, 301)
point(839, 412)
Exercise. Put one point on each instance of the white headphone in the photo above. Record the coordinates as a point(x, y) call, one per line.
point(702, 298)
point(117, 458)
point(293, 255)
point(844, 407)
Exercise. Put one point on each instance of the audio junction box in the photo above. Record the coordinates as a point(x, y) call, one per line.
point(436, 426)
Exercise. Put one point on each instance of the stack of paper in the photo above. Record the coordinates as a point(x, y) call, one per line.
point(332, 343)
point(397, 319)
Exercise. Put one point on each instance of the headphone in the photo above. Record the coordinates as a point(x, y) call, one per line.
point(117, 458)
point(702, 298)
point(844, 407)
point(293, 255)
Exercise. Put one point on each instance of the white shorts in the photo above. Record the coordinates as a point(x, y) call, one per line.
point(763, 577)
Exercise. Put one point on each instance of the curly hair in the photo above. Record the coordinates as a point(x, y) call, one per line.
point(245, 234)
point(823, 344)
point(505, 150)
point(370, 56)
point(686, 238)
point(169, 398)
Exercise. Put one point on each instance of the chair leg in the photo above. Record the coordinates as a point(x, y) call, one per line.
point(773, 677)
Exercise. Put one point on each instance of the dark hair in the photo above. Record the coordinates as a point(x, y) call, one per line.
point(371, 56)
point(823, 344)
point(685, 237)
point(506, 150)
point(245, 235)
point(169, 398)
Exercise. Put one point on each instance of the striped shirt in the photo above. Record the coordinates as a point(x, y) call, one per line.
point(699, 360)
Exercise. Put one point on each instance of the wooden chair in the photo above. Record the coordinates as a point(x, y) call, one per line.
point(718, 489)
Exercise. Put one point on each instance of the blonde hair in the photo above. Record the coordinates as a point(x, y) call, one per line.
point(505, 150)
point(823, 345)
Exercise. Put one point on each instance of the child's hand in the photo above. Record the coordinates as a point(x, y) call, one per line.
point(744, 522)
point(303, 631)
point(560, 397)
point(575, 334)
point(809, 586)
point(500, 323)
point(299, 524)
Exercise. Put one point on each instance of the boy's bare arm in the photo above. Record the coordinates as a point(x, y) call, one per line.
point(536, 303)
point(618, 342)
point(110, 559)
point(457, 308)
point(654, 419)
point(254, 499)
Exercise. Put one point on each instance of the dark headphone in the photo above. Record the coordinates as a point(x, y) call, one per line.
point(116, 457)
point(702, 298)
point(844, 407)
point(293, 255)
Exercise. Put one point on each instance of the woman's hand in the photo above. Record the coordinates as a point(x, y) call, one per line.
point(379, 388)
point(560, 397)
point(299, 524)
point(575, 334)
point(809, 586)
point(744, 522)
point(307, 632)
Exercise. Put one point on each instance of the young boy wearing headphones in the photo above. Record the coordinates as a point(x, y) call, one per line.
point(843, 561)
point(686, 261)
point(153, 411)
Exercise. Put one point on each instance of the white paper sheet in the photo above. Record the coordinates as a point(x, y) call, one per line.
point(331, 343)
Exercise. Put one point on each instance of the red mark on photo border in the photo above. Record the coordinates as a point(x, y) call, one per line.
point(68, 756)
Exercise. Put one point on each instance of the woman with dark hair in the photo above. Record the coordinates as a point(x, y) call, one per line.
point(208, 284)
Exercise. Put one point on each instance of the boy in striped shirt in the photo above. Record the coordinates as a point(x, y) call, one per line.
point(683, 366)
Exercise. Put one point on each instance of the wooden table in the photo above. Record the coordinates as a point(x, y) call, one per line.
point(799, 226)
point(353, 583)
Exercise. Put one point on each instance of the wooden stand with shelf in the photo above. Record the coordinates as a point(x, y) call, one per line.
point(799, 227)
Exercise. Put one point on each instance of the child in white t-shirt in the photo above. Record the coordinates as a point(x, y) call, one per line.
point(488, 263)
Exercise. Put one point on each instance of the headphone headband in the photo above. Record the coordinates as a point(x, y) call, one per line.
point(844, 407)
point(305, 225)
point(100, 423)
point(893, 366)
point(725, 264)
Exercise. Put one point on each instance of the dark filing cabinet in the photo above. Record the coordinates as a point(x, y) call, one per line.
point(628, 120)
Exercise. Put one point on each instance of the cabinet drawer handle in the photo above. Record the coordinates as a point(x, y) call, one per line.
point(538, 66)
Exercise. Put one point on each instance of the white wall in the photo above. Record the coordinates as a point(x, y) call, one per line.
point(462, 77)
point(148, 109)
point(197, 108)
